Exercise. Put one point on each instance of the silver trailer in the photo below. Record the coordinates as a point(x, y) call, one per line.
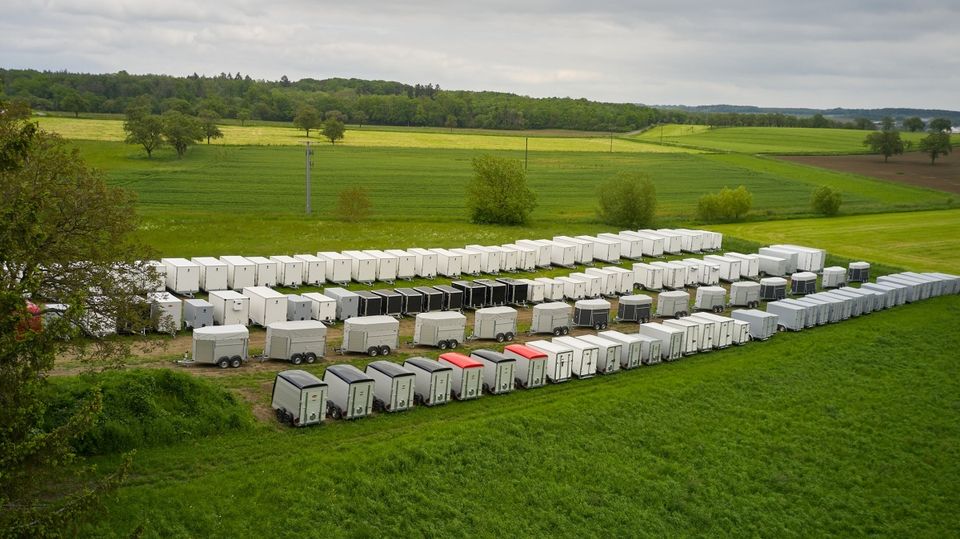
point(912, 288)
point(762, 325)
point(432, 380)
point(406, 263)
point(544, 250)
point(585, 356)
point(593, 313)
point(635, 349)
point(322, 308)
point(230, 308)
point(573, 289)
point(594, 284)
point(425, 262)
point(499, 371)
point(691, 334)
point(183, 276)
point(213, 273)
point(840, 308)
point(167, 311)
point(808, 259)
point(443, 329)
point(393, 386)
point(583, 248)
point(791, 316)
point(314, 269)
point(708, 274)
point(729, 267)
point(223, 346)
point(745, 294)
point(552, 317)
point(289, 271)
point(834, 277)
point(609, 353)
point(773, 288)
point(858, 272)
point(895, 294)
point(241, 273)
point(536, 291)
point(816, 314)
point(266, 270)
point(610, 280)
point(553, 290)
point(349, 392)
point(197, 313)
point(466, 376)
point(348, 303)
point(861, 305)
point(298, 308)
point(647, 276)
point(531, 365)
point(951, 282)
point(266, 305)
point(526, 256)
point(498, 323)
point(722, 328)
point(773, 266)
point(789, 256)
point(363, 267)
point(711, 298)
point(707, 332)
point(674, 275)
point(624, 276)
point(338, 266)
point(559, 360)
point(298, 342)
point(741, 332)
point(634, 308)
point(803, 282)
point(671, 339)
point(675, 303)
point(749, 264)
point(299, 398)
point(371, 335)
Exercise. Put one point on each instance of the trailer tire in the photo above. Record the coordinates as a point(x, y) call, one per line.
point(236, 361)
point(310, 357)
point(384, 350)
point(557, 332)
point(500, 337)
point(597, 326)
point(603, 325)
point(718, 309)
point(510, 335)
point(372, 351)
point(337, 413)
point(442, 345)
point(296, 359)
point(566, 330)
point(454, 343)
point(281, 415)
point(223, 362)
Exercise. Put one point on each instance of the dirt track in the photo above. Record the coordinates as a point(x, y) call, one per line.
point(911, 168)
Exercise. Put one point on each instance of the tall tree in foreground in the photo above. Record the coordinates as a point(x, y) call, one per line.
point(935, 145)
point(64, 239)
point(629, 201)
point(208, 121)
point(143, 128)
point(498, 193)
point(333, 129)
point(307, 118)
point(886, 143)
point(180, 131)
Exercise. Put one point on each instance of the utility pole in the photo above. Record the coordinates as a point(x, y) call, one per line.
point(309, 162)
point(526, 151)
point(611, 142)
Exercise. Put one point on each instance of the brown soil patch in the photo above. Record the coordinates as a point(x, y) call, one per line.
point(911, 168)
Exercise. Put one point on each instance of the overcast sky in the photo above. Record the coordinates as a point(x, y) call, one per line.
point(800, 53)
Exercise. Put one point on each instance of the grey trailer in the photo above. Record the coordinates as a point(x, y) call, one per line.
point(762, 325)
point(722, 328)
point(676, 303)
point(745, 294)
point(741, 332)
point(499, 371)
point(840, 307)
point(496, 294)
point(858, 272)
point(632, 353)
point(166, 310)
point(411, 301)
point(817, 314)
point(710, 298)
point(551, 317)
point(772, 266)
point(371, 335)
point(392, 302)
point(432, 298)
point(301, 341)
point(773, 288)
point(803, 282)
point(299, 398)
point(349, 392)
point(531, 369)
point(322, 308)
point(451, 297)
point(535, 291)
point(197, 313)
point(474, 295)
point(559, 360)
point(498, 323)
point(369, 304)
point(230, 308)
point(585, 355)
point(707, 332)
point(671, 339)
point(861, 303)
point(348, 303)
point(516, 290)
point(592, 313)
point(609, 352)
point(912, 292)
point(691, 334)
point(466, 376)
point(791, 316)
point(393, 386)
point(299, 308)
point(634, 308)
point(432, 381)
point(553, 290)
point(789, 256)
point(834, 277)
point(729, 267)
point(443, 329)
point(808, 259)
point(223, 346)
point(890, 293)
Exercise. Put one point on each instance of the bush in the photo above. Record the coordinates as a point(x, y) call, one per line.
point(353, 204)
point(727, 205)
point(498, 193)
point(826, 200)
point(629, 200)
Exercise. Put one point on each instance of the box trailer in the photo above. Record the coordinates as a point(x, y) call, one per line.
point(584, 358)
point(509, 258)
point(152, 276)
point(631, 348)
point(803, 282)
point(432, 386)
point(197, 313)
point(610, 280)
point(314, 269)
point(573, 289)
point(338, 266)
point(223, 346)
point(443, 329)
point(650, 244)
point(821, 309)
point(372, 335)
point(551, 317)
point(392, 304)
point(929, 287)
point(593, 313)
point(859, 305)
point(892, 293)
point(474, 295)
point(772, 266)
point(516, 290)
point(559, 360)
point(702, 237)
point(496, 293)
point(472, 261)
point(749, 264)
point(583, 249)
point(634, 308)
point(498, 323)
point(707, 332)
point(675, 303)
point(762, 325)
point(322, 308)
point(432, 298)
point(647, 276)
point(630, 246)
point(466, 376)
point(183, 276)
point(604, 250)
point(544, 251)
point(230, 308)
point(792, 317)
point(623, 277)
point(289, 271)
point(689, 242)
point(951, 282)
point(745, 294)
point(709, 273)
point(449, 264)
point(490, 261)
point(729, 267)
point(710, 298)
point(672, 242)
point(773, 288)
point(608, 353)
point(741, 332)
point(811, 311)
point(834, 277)
point(411, 301)
point(266, 305)
point(671, 339)
point(388, 265)
point(369, 304)
point(526, 256)
point(838, 309)
point(536, 291)
point(912, 291)
point(300, 341)
point(299, 398)
point(213, 273)
point(298, 308)
point(722, 328)
point(393, 386)
point(499, 371)
point(531, 365)
point(791, 257)
point(348, 303)
point(424, 262)
point(692, 342)
point(349, 392)
point(808, 258)
point(266, 270)
point(166, 311)
point(452, 298)
point(562, 254)
point(692, 272)
point(553, 290)
point(594, 284)
point(851, 306)
point(363, 267)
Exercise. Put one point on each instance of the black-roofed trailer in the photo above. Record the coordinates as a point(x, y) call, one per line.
point(349, 392)
point(299, 398)
point(393, 388)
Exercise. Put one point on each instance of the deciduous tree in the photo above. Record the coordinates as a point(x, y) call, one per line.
point(886, 143)
point(826, 200)
point(333, 130)
point(727, 205)
point(940, 125)
point(935, 145)
point(498, 192)
point(307, 118)
point(143, 128)
point(913, 124)
point(208, 121)
point(180, 131)
point(629, 200)
point(244, 116)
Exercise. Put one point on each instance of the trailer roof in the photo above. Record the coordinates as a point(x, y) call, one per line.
point(208, 261)
point(552, 306)
point(442, 315)
point(525, 351)
point(227, 294)
point(297, 325)
point(347, 373)
point(386, 293)
point(407, 292)
point(460, 360)
point(301, 379)
point(212, 333)
point(592, 304)
point(803, 276)
point(427, 290)
point(389, 368)
point(493, 311)
point(337, 291)
point(744, 284)
point(317, 296)
point(428, 365)
point(371, 321)
point(678, 294)
point(491, 355)
point(773, 281)
point(198, 302)
point(263, 292)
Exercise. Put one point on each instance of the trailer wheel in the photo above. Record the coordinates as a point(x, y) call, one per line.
point(486, 388)
point(500, 337)
point(337, 413)
point(442, 345)
point(566, 330)
point(310, 357)
point(384, 350)
point(223, 362)
point(781, 327)
point(417, 399)
point(372, 351)
point(510, 335)
point(718, 309)
point(597, 326)
point(603, 325)
point(236, 361)
point(454, 343)
point(296, 359)
point(281, 415)
point(557, 331)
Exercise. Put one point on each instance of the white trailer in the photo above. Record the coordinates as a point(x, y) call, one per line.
point(808, 259)
point(890, 292)
point(603, 249)
point(674, 275)
point(266, 305)
point(166, 311)
point(675, 303)
point(609, 353)
point(322, 308)
point(584, 248)
point(671, 339)
point(634, 308)
point(544, 251)
point(372, 335)
point(811, 311)
point(498, 323)
point(624, 279)
point(692, 342)
point(834, 277)
point(289, 271)
point(406, 263)
point(860, 303)
point(526, 256)
point(393, 386)
point(610, 280)
point(223, 346)
point(859, 272)
point(821, 309)
point(773, 266)
point(536, 291)
point(466, 376)
point(912, 288)
point(314, 269)
point(689, 241)
point(553, 290)
point(672, 242)
point(531, 365)
point(630, 246)
point(709, 273)
point(773, 288)
point(647, 276)
point(762, 325)
point(299, 398)
point(339, 267)
point(631, 348)
point(230, 308)
point(650, 244)
point(499, 371)
point(472, 261)
point(425, 263)
point(386, 265)
point(266, 270)
point(707, 333)
point(729, 267)
point(692, 272)
point(595, 284)
point(722, 328)
point(837, 308)
point(489, 258)
point(348, 303)
point(153, 276)
point(741, 332)
point(432, 381)
point(349, 392)
point(443, 329)
point(803, 282)
point(551, 317)
point(791, 257)
point(213, 273)
point(749, 264)
point(509, 258)
point(559, 360)
point(573, 289)
point(197, 313)
point(301, 341)
point(789, 316)
point(449, 264)
point(711, 298)
point(183, 276)
point(562, 254)
point(363, 267)
point(585, 356)
point(745, 294)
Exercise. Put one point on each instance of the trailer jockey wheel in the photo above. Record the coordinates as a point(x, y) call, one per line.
point(236, 361)
point(557, 332)
point(310, 357)
point(442, 345)
point(223, 362)
point(510, 335)
point(566, 330)
point(372, 351)
point(296, 359)
point(384, 350)
point(500, 337)
point(454, 343)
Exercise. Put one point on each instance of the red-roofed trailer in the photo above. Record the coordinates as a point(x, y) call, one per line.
point(467, 376)
point(531, 370)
